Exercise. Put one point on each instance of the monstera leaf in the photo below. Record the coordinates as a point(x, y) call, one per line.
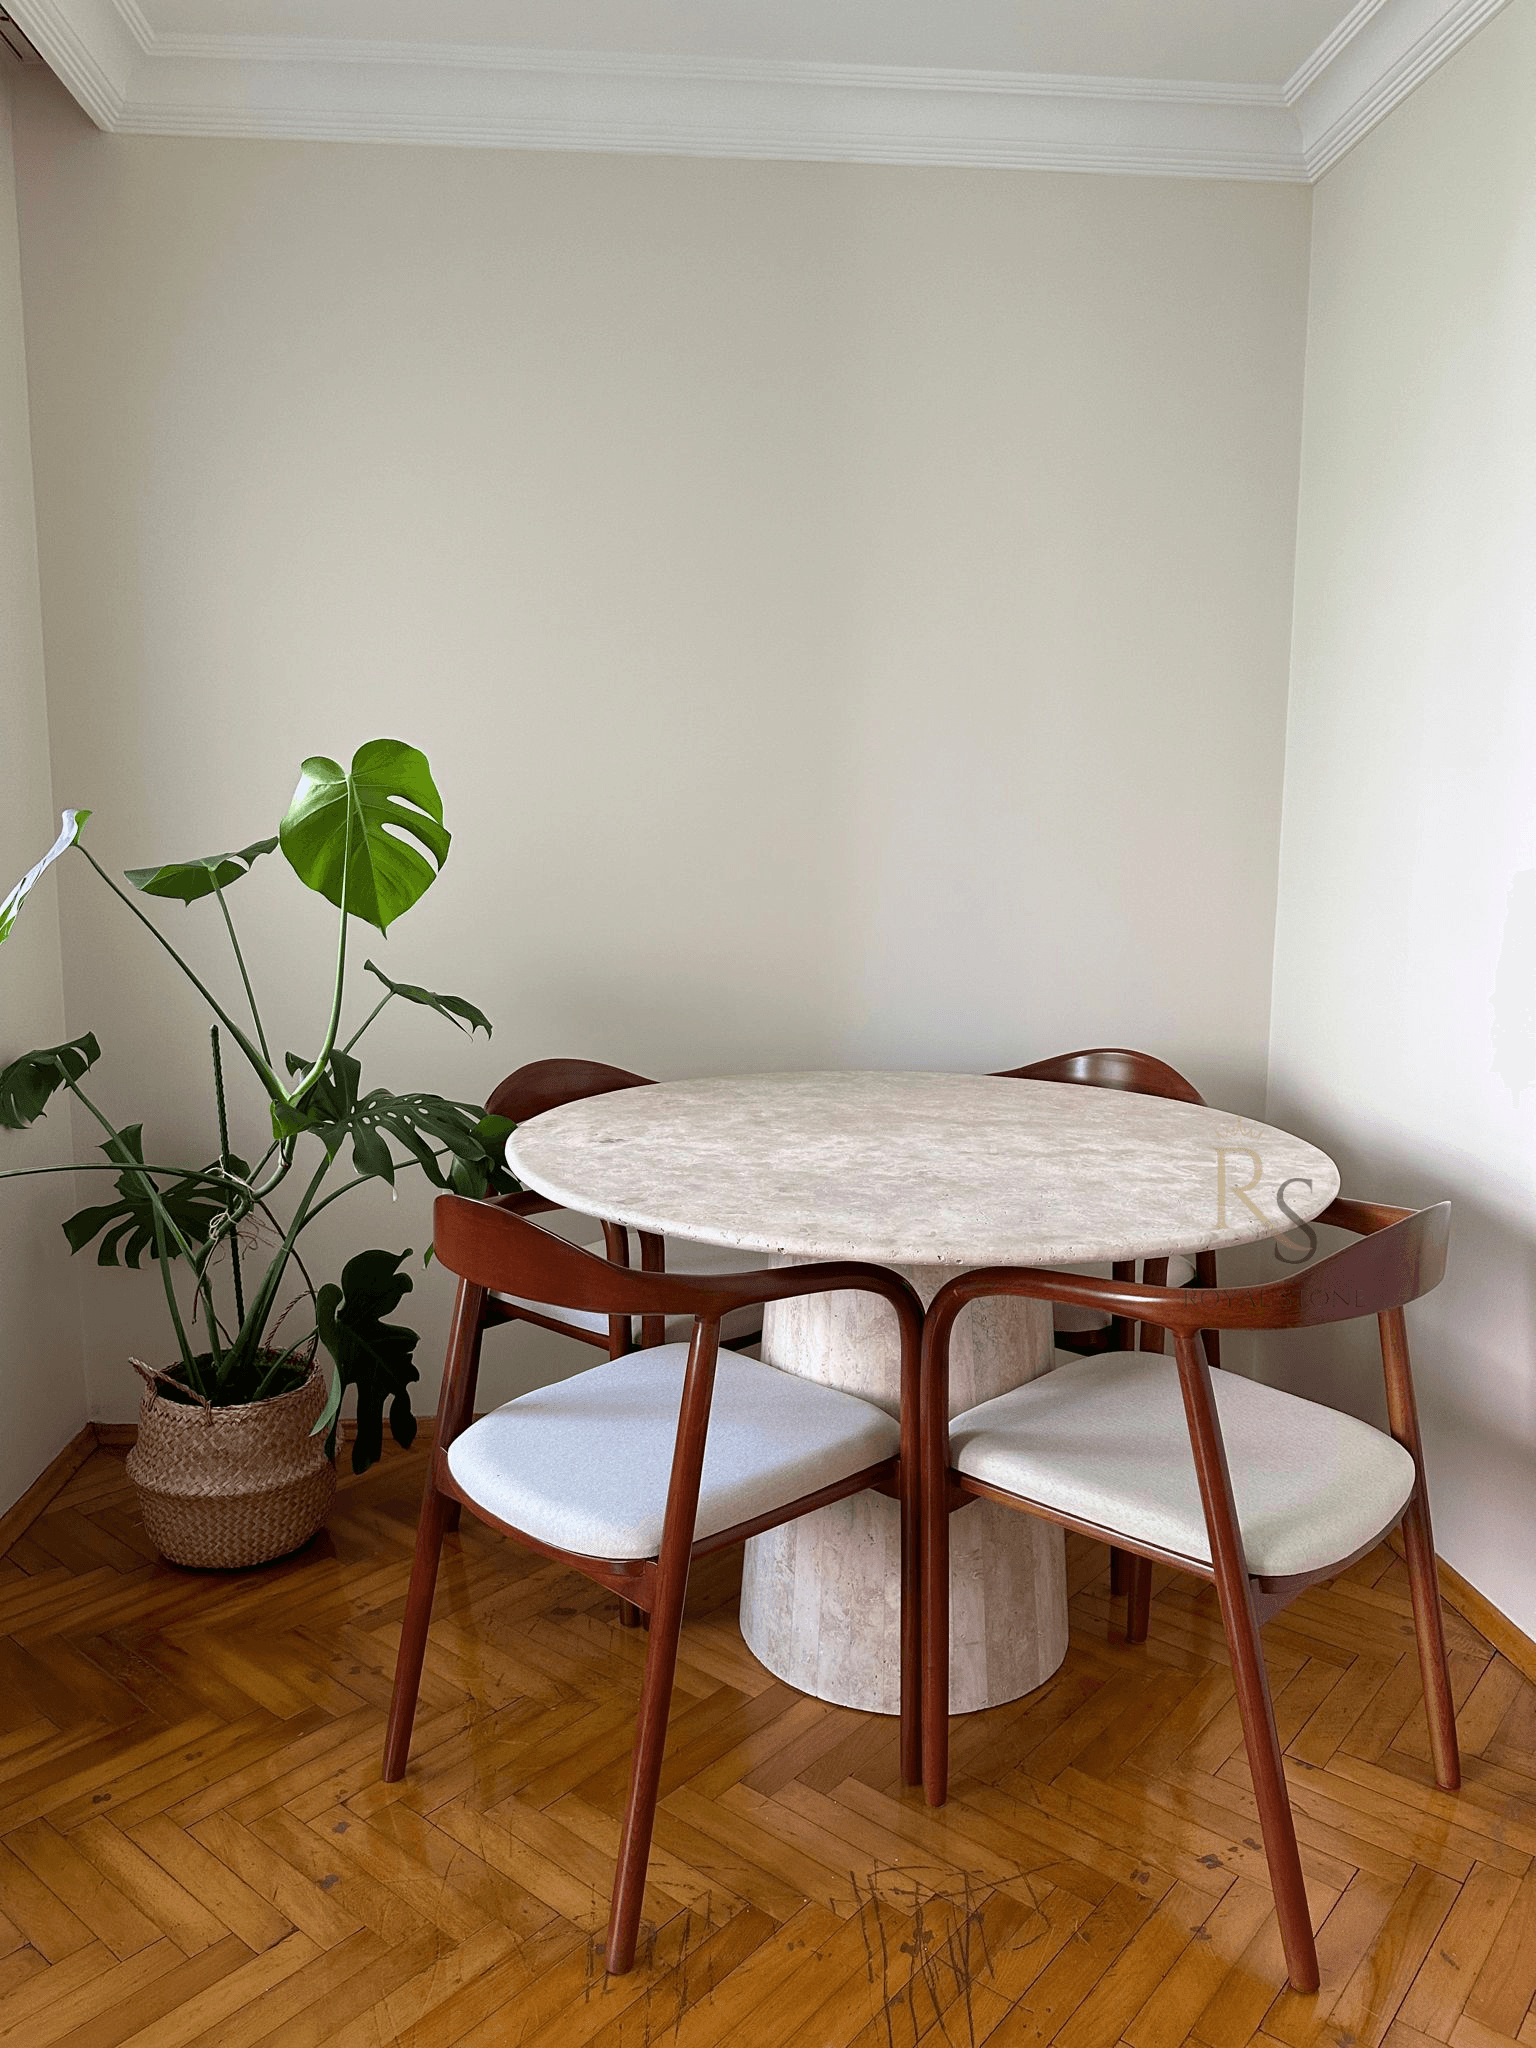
point(28, 1084)
point(455, 1008)
point(69, 831)
point(127, 1226)
point(188, 881)
point(360, 822)
point(370, 1354)
point(426, 1126)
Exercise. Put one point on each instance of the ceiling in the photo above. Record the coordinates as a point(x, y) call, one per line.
point(1273, 89)
point(1233, 40)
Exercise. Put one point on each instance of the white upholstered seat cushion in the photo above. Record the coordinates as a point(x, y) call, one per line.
point(1105, 1441)
point(585, 1464)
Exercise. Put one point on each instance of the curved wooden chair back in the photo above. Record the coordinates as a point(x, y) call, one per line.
point(547, 1084)
point(493, 1247)
point(1136, 1073)
point(1401, 1255)
point(1110, 1066)
point(528, 1092)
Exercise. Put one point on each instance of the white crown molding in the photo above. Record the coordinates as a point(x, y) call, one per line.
point(129, 80)
point(1393, 48)
point(88, 45)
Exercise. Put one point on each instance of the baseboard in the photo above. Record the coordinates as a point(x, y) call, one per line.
point(17, 1520)
point(122, 1436)
point(1489, 1621)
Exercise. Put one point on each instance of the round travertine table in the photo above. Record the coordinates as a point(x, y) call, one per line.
point(930, 1174)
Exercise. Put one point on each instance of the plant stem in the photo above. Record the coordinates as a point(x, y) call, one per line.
point(96, 1166)
point(162, 1260)
point(276, 1367)
point(250, 993)
point(401, 1166)
point(218, 1096)
point(341, 971)
point(266, 1293)
point(280, 1173)
point(389, 996)
point(262, 1066)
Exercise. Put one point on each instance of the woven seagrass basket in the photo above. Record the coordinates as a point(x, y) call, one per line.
point(225, 1488)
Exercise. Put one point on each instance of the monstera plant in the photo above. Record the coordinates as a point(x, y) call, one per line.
point(243, 1309)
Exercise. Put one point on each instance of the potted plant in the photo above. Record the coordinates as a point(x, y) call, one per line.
point(234, 1461)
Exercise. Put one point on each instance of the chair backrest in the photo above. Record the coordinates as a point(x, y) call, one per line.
point(492, 1247)
point(1393, 1264)
point(1110, 1066)
point(1401, 1257)
point(546, 1084)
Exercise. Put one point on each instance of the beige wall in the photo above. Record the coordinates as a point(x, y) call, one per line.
point(1404, 1033)
point(847, 608)
point(42, 1389)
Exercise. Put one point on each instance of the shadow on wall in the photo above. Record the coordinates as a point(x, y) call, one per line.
point(1514, 989)
point(1473, 1342)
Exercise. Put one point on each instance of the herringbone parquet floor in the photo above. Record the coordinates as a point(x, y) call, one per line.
point(195, 1846)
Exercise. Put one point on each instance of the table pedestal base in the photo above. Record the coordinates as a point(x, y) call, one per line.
point(821, 1604)
point(821, 1597)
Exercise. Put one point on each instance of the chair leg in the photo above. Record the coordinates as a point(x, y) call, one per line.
point(631, 1616)
point(413, 1634)
point(1429, 1633)
point(911, 1621)
point(1277, 1825)
point(1117, 1562)
point(1138, 1598)
point(934, 1644)
point(645, 1773)
point(452, 1513)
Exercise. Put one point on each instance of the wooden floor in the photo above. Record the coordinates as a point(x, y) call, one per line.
point(195, 1845)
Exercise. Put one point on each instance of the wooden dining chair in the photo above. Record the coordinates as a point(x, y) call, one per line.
point(1082, 1331)
point(550, 1084)
point(630, 1470)
point(1257, 1490)
point(1136, 1073)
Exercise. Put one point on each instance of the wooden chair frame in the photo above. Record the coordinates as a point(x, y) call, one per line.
point(491, 1247)
point(1135, 1073)
point(1401, 1256)
point(549, 1084)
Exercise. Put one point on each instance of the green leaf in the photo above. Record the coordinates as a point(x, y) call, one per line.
point(328, 1104)
point(455, 1008)
point(194, 1202)
point(425, 1126)
point(370, 1354)
point(70, 823)
point(188, 881)
point(487, 1172)
point(360, 822)
point(28, 1084)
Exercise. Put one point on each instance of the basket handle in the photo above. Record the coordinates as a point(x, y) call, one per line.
point(151, 1375)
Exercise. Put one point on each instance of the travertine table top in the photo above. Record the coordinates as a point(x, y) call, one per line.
point(923, 1169)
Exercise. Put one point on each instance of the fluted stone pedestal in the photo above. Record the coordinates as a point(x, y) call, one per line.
point(821, 1597)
